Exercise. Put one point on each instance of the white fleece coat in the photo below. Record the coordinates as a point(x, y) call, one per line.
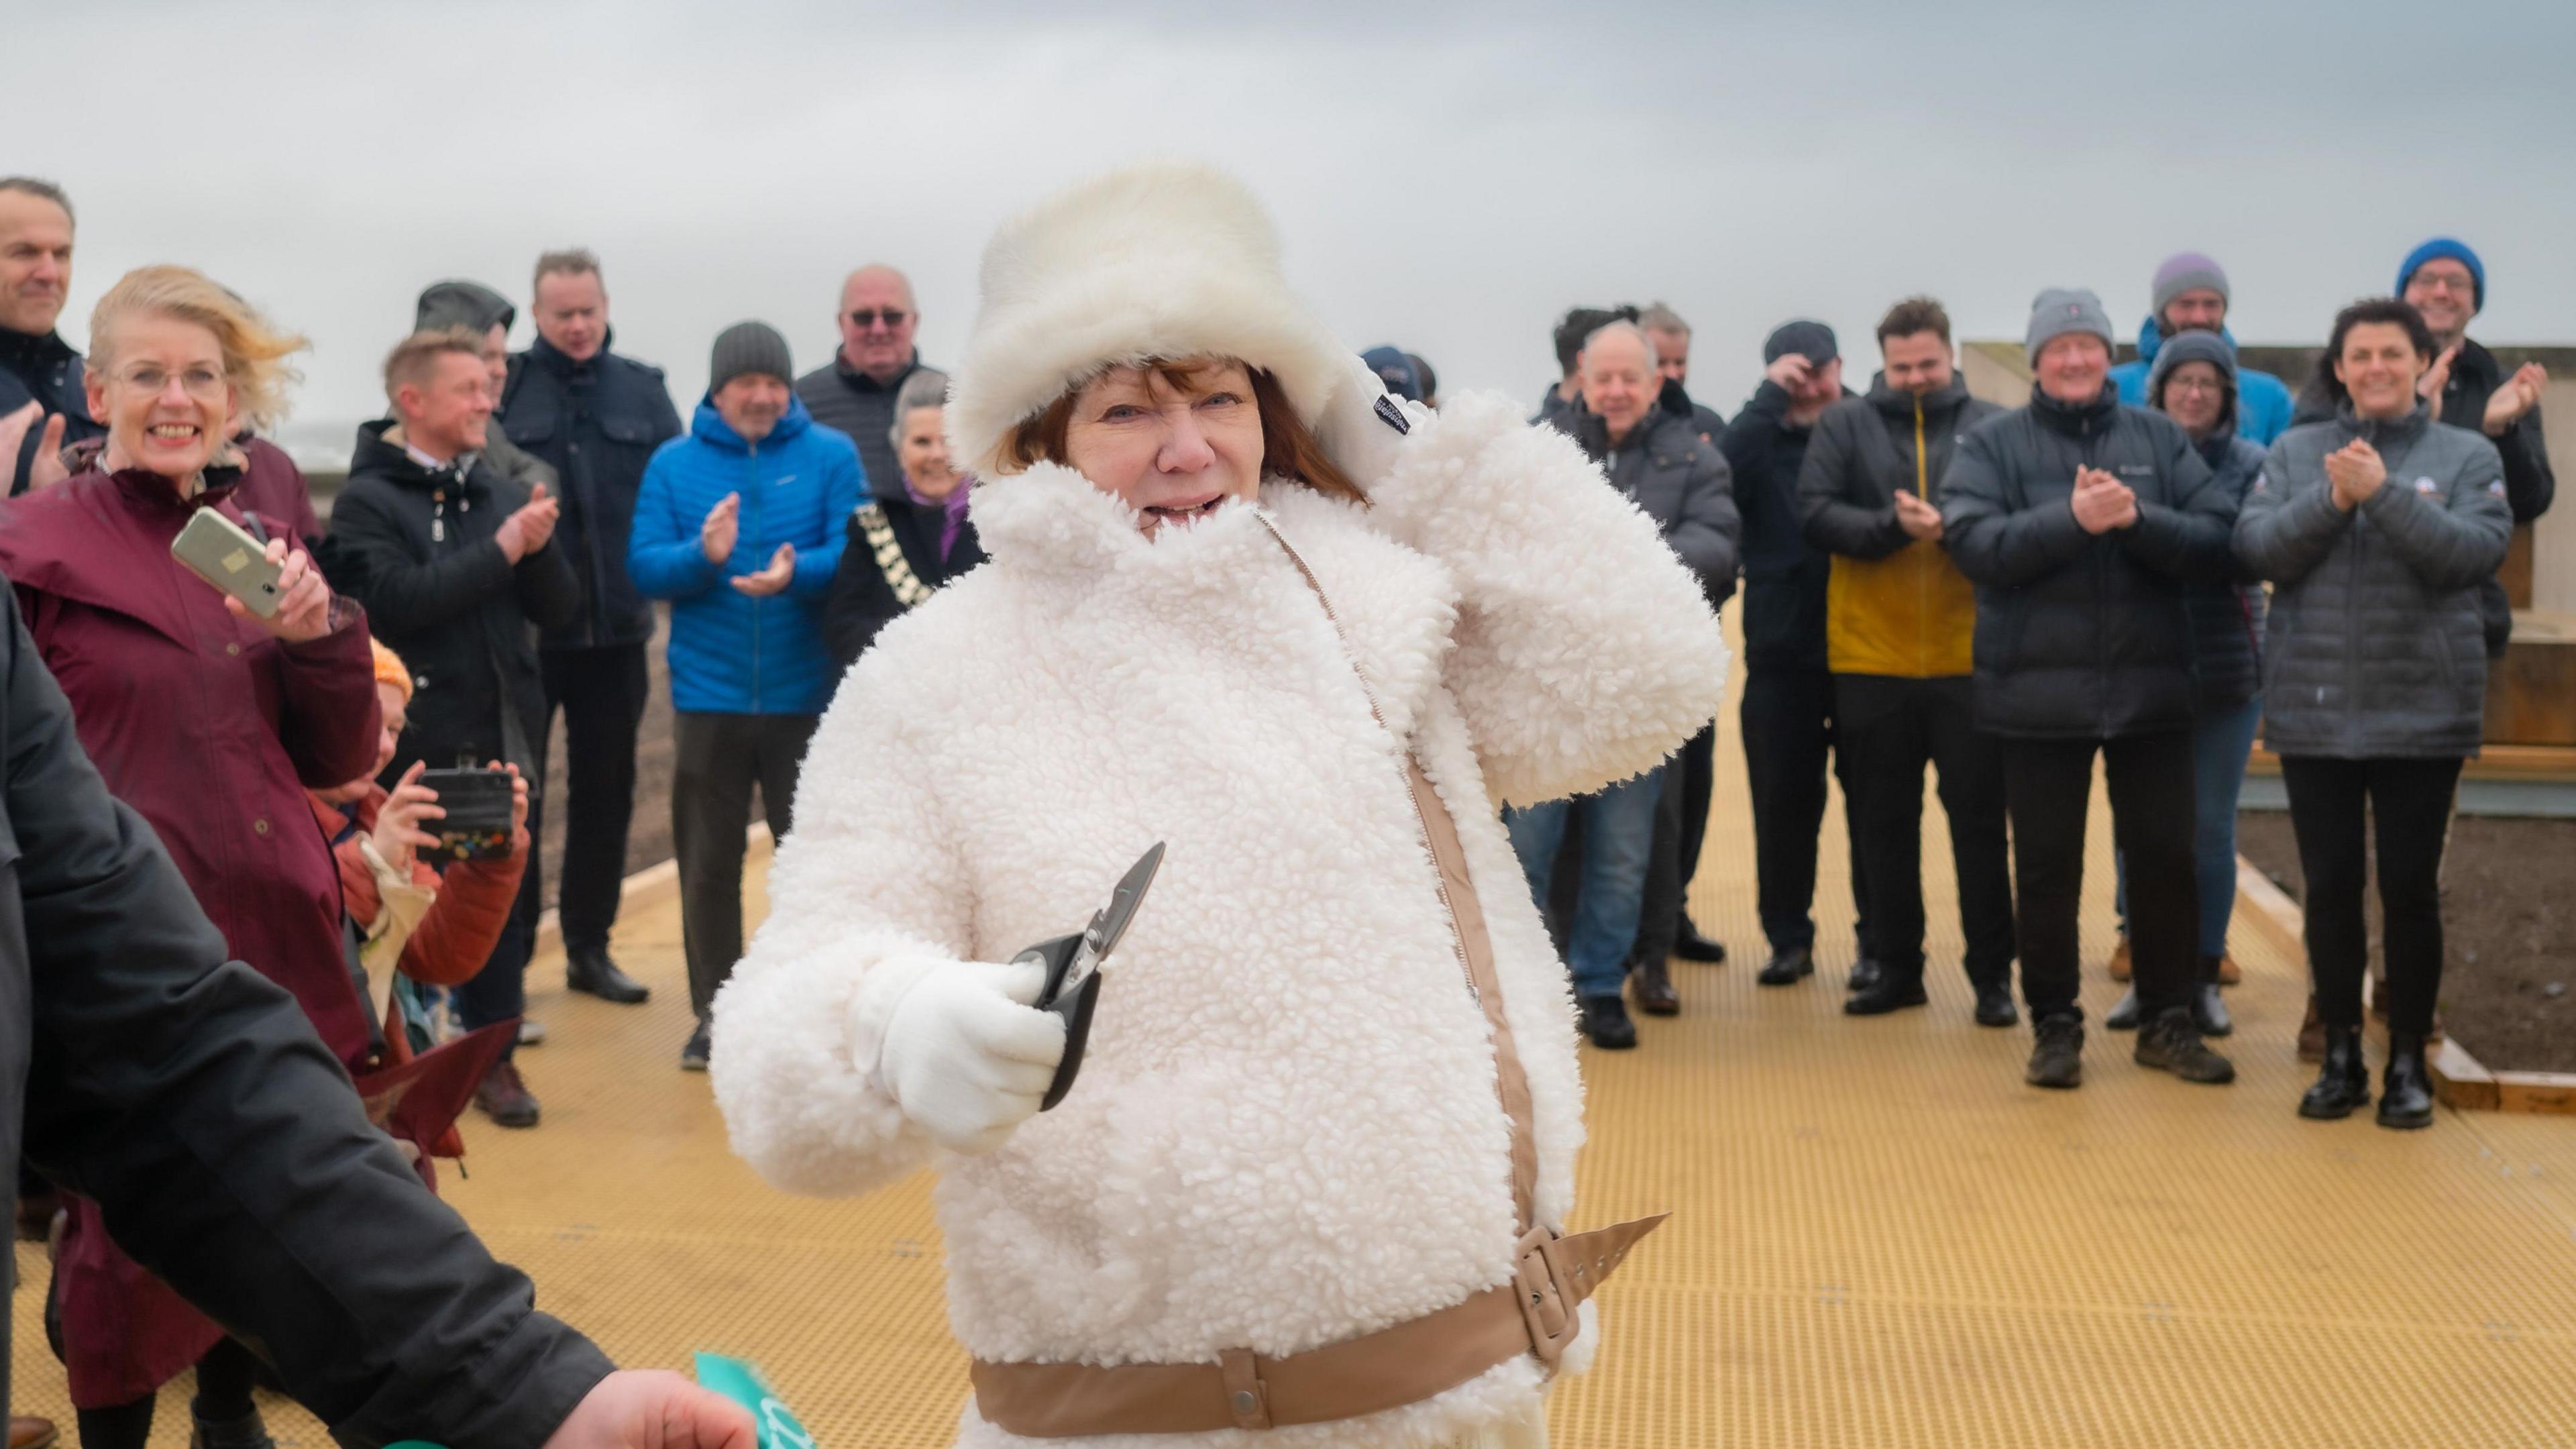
point(1286, 1132)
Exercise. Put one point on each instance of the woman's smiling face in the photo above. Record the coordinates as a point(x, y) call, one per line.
point(1173, 453)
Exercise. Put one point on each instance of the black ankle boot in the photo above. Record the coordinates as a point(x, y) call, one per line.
point(246, 1432)
point(2207, 1011)
point(2406, 1090)
point(2343, 1085)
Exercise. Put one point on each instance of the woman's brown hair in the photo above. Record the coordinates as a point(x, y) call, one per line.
point(1288, 448)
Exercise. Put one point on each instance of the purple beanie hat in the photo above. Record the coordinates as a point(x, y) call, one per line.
point(2182, 272)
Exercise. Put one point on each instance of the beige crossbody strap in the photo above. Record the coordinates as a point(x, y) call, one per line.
point(1475, 946)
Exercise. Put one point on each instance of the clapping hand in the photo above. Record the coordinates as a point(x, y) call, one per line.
point(46, 468)
point(529, 527)
point(716, 535)
point(2437, 377)
point(2355, 472)
point(1918, 518)
point(2102, 502)
point(398, 835)
point(780, 573)
point(2516, 398)
point(303, 600)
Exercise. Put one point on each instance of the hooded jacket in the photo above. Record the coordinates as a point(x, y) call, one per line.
point(1895, 605)
point(1784, 576)
point(2530, 484)
point(596, 423)
point(2264, 406)
point(1286, 1133)
point(2079, 635)
point(1682, 483)
point(2376, 633)
point(416, 547)
point(730, 652)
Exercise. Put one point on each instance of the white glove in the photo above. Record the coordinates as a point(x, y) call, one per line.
point(966, 1056)
point(1355, 435)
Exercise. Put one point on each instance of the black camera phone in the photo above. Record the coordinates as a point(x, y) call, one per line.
point(477, 823)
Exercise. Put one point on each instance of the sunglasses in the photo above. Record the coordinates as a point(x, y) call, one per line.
point(892, 317)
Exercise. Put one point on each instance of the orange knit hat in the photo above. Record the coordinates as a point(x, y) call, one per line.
point(391, 670)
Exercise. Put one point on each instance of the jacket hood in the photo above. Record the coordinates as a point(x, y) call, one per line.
point(708, 426)
point(2152, 337)
point(1163, 260)
point(470, 305)
point(2215, 348)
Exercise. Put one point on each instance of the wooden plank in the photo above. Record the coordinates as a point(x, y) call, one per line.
point(2553, 1093)
point(2272, 912)
point(2515, 572)
point(2460, 1083)
point(2531, 692)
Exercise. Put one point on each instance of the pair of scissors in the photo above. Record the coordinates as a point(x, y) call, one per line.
point(1073, 967)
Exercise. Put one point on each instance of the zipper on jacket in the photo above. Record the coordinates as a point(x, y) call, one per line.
point(1922, 575)
point(1439, 883)
point(762, 504)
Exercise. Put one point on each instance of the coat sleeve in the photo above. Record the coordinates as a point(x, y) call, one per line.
point(331, 718)
point(191, 1099)
point(1584, 652)
point(2287, 524)
point(860, 602)
point(843, 492)
point(2188, 540)
point(455, 938)
point(663, 554)
point(1993, 543)
point(867, 896)
point(1828, 481)
point(1706, 532)
point(2530, 484)
point(365, 557)
point(2455, 541)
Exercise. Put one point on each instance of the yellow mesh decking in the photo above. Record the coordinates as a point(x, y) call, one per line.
point(1881, 1237)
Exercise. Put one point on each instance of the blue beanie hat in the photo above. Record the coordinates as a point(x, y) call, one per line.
point(2456, 250)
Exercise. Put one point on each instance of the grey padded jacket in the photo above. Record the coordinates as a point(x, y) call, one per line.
point(2376, 645)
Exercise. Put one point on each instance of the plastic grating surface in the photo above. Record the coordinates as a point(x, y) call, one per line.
point(1882, 1238)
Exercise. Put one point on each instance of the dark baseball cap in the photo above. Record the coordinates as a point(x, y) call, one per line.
point(1813, 341)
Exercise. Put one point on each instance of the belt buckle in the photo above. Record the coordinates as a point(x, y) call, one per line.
point(1546, 1307)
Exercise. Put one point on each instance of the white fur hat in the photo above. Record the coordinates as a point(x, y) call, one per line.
point(1159, 260)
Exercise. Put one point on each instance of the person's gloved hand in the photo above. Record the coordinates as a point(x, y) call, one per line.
point(966, 1056)
point(1356, 435)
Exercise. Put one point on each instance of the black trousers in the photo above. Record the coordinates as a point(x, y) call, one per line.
point(225, 1377)
point(1887, 731)
point(2408, 809)
point(2048, 787)
point(1789, 726)
point(1681, 823)
point(721, 757)
point(601, 693)
point(499, 991)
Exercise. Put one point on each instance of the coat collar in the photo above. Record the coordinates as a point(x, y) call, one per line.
point(2076, 420)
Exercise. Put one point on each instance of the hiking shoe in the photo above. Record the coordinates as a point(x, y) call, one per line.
point(2057, 1054)
point(1995, 1005)
point(2171, 1043)
point(693, 1057)
point(1605, 1020)
point(505, 1098)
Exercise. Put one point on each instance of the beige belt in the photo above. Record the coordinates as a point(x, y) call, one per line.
point(1412, 1361)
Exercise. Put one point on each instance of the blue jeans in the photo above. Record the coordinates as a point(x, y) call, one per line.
point(1618, 845)
point(2221, 742)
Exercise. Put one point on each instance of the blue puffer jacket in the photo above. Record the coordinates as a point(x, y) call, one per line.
point(732, 653)
point(2263, 402)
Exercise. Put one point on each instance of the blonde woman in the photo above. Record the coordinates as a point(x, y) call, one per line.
point(209, 722)
point(1312, 1177)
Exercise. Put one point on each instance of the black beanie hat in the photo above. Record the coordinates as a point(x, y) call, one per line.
point(749, 347)
point(1813, 341)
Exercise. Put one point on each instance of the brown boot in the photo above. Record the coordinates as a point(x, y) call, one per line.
point(2312, 1033)
point(26, 1431)
point(505, 1098)
point(2120, 960)
point(2229, 973)
point(1652, 984)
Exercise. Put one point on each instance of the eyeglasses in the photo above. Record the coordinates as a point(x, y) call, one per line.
point(205, 384)
point(2430, 280)
point(2194, 384)
point(892, 317)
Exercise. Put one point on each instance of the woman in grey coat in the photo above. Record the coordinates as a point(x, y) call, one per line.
point(2376, 529)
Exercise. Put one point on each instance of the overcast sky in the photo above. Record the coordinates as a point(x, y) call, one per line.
point(1448, 179)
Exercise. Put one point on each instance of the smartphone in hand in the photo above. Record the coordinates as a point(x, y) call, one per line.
point(477, 823)
point(223, 553)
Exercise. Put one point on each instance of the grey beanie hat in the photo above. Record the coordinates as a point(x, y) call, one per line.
point(2060, 310)
point(749, 347)
point(2183, 272)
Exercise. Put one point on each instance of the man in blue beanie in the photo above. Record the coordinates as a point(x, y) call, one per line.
point(2190, 294)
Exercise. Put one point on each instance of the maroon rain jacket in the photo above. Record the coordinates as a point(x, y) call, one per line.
point(211, 729)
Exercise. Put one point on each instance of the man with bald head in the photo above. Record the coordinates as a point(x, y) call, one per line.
point(855, 391)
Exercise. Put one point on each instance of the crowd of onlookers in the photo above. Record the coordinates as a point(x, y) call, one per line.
point(1929, 580)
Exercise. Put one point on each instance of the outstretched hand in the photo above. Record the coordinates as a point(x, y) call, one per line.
point(773, 579)
point(653, 1409)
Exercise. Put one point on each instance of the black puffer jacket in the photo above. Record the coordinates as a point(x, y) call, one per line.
point(43, 370)
point(2082, 636)
point(2376, 630)
point(596, 423)
point(189, 1097)
point(1681, 482)
point(1784, 575)
point(864, 596)
point(2227, 613)
point(416, 548)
